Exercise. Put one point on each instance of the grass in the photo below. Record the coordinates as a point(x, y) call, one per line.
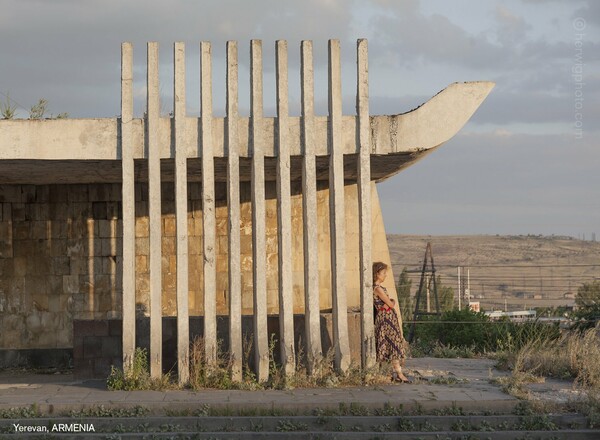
point(323, 373)
point(217, 375)
point(138, 376)
point(574, 356)
point(20, 412)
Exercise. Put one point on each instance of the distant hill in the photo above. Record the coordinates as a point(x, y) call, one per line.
point(523, 270)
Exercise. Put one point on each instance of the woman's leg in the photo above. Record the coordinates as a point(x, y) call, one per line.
point(398, 369)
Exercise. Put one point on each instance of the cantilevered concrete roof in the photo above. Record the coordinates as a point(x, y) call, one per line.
point(89, 150)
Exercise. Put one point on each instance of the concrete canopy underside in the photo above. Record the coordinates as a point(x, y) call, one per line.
point(90, 150)
point(38, 172)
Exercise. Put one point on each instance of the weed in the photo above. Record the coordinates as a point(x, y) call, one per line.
point(357, 410)
point(537, 423)
point(102, 411)
point(20, 413)
point(485, 426)
point(389, 410)
point(7, 109)
point(38, 110)
point(287, 425)
point(460, 425)
point(256, 426)
point(448, 351)
point(447, 380)
point(428, 427)
point(384, 427)
point(205, 374)
point(137, 377)
point(405, 425)
point(449, 411)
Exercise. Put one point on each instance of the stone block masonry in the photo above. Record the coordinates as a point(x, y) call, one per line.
point(61, 256)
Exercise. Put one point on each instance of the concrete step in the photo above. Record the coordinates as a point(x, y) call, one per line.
point(305, 435)
point(568, 426)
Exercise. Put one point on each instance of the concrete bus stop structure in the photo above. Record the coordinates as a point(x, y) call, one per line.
point(232, 217)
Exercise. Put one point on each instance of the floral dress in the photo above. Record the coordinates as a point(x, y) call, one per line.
point(388, 335)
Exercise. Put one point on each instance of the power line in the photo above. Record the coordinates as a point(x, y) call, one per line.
point(527, 277)
point(503, 265)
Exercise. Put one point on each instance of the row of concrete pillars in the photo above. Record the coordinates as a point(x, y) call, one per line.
point(256, 146)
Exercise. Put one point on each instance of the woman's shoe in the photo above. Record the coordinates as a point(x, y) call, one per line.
point(395, 377)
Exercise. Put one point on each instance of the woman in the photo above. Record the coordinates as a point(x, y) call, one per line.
point(388, 335)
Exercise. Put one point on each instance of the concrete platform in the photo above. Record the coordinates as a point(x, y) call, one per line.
point(438, 383)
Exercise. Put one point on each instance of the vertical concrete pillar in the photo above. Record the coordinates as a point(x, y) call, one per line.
point(128, 200)
point(154, 201)
point(284, 213)
point(364, 205)
point(309, 211)
point(259, 249)
point(181, 209)
point(336, 211)
point(233, 211)
point(208, 205)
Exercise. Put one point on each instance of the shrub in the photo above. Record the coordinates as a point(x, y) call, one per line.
point(474, 333)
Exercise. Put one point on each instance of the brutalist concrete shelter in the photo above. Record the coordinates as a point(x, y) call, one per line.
point(121, 232)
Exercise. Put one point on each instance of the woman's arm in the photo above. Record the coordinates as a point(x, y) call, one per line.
point(384, 297)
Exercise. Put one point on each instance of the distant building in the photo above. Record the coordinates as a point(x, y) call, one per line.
point(520, 315)
point(474, 305)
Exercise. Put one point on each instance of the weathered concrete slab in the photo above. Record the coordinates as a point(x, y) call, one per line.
point(474, 395)
point(427, 126)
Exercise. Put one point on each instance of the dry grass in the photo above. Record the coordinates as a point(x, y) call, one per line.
point(574, 356)
point(322, 374)
point(218, 375)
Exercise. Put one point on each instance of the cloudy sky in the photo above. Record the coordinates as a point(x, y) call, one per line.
point(528, 162)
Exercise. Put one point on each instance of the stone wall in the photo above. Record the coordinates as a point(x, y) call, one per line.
point(61, 255)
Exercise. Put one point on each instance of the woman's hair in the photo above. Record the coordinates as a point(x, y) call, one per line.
point(377, 266)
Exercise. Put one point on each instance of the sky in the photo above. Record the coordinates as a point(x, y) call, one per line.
point(528, 161)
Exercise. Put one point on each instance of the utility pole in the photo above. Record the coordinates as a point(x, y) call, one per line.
point(468, 293)
point(428, 303)
point(459, 290)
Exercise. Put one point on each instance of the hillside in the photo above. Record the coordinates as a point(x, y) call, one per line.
point(523, 271)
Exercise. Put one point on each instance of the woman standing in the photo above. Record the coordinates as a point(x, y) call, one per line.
point(388, 335)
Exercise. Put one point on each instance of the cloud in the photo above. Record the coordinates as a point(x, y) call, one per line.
point(491, 183)
point(69, 51)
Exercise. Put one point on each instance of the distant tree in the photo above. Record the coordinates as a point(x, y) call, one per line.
point(445, 295)
point(404, 299)
point(588, 303)
point(588, 295)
